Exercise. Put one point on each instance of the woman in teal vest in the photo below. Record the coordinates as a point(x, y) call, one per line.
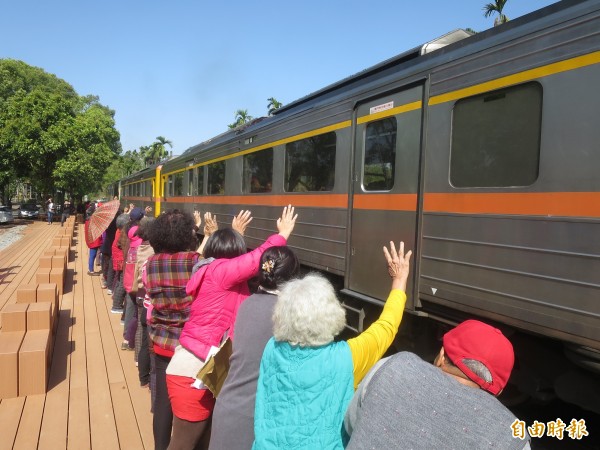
point(306, 380)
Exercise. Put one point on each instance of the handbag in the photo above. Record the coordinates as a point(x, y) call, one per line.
point(216, 368)
point(130, 271)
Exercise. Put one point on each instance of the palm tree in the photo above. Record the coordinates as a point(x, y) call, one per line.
point(273, 105)
point(160, 143)
point(241, 117)
point(496, 7)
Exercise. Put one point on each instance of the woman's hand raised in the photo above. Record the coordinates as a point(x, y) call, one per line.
point(241, 221)
point(287, 221)
point(210, 224)
point(398, 265)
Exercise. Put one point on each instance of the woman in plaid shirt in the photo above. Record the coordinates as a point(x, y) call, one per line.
point(173, 238)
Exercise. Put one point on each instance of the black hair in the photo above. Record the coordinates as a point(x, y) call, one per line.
point(173, 232)
point(225, 243)
point(277, 265)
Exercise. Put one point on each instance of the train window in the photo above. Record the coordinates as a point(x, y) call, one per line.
point(496, 138)
point(216, 178)
point(200, 180)
point(310, 164)
point(258, 172)
point(149, 192)
point(178, 184)
point(190, 181)
point(380, 155)
point(169, 186)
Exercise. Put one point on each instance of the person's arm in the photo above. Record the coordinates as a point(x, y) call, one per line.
point(244, 267)
point(210, 226)
point(370, 345)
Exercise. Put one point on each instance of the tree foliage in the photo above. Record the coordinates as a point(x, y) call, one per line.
point(496, 8)
point(241, 117)
point(51, 135)
point(273, 105)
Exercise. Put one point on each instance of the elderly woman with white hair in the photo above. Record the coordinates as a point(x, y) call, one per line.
point(306, 380)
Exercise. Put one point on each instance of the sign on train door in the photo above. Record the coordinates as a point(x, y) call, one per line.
point(385, 187)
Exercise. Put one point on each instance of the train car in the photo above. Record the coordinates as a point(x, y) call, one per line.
point(141, 188)
point(479, 151)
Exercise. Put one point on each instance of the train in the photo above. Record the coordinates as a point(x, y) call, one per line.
point(480, 151)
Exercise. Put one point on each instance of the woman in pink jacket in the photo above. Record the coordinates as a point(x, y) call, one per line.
point(218, 287)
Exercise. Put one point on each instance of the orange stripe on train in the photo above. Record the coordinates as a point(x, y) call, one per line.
point(568, 204)
point(565, 204)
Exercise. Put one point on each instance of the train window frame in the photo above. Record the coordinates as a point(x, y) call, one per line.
point(169, 186)
point(189, 182)
point(389, 163)
point(302, 162)
point(505, 155)
point(257, 169)
point(200, 180)
point(217, 183)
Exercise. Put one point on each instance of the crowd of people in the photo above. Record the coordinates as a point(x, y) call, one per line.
point(240, 349)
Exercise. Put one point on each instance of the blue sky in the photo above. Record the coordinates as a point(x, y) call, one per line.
point(181, 68)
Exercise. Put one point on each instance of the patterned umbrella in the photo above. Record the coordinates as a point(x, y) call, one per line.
point(100, 220)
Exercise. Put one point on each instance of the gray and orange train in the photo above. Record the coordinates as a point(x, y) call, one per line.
point(481, 152)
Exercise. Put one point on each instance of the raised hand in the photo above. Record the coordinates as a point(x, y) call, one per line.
point(210, 224)
point(241, 221)
point(398, 265)
point(197, 219)
point(287, 221)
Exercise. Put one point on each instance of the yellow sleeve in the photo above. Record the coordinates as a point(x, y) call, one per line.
point(368, 347)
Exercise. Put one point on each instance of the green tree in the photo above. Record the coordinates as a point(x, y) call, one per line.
point(241, 117)
point(273, 105)
point(159, 148)
point(94, 145)
point(51, 135)
point(496, 8)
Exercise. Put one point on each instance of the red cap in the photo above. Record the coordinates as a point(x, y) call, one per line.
point(476, 340)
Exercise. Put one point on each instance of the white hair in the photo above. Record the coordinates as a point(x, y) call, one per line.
point(307, 312)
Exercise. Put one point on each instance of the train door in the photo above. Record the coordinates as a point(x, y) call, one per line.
point(385, 186)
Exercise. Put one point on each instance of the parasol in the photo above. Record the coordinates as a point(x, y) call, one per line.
point(100, 220)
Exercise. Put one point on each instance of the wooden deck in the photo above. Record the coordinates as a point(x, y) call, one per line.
point(93, 399)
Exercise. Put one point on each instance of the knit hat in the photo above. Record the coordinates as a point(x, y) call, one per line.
point(476, 340)
point(136, 214)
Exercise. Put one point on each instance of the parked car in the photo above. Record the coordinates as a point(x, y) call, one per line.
point(29, 211)
point(6, 215)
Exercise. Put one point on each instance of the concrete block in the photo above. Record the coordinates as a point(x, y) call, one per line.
point(56, 241)
point(14, 317)
point(42, 275)
point(33, 362)
point(65, 241)
point(26, 293)
point(48, 252)
point(57, 276)
point(10, 342)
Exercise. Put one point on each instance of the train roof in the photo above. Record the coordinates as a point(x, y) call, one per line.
point(447, 42)
point(435, 48)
